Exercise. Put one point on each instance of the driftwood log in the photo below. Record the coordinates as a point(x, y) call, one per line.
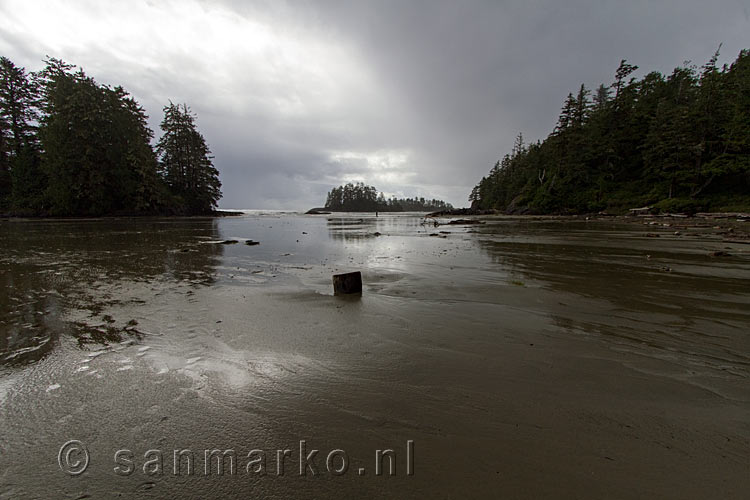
point(347, 283)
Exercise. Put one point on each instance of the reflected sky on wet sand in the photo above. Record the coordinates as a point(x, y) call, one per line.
point(522, 355)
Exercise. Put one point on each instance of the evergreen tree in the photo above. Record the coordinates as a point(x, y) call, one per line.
point(670, 141)
point(19, 151)
point(359, 197)
point(581, 108)
point(602, 98)
point(5, 152)
point(623, 71)
point(185, 161)
point(96, 146)
point(732, 148)
point(681, 142)
point(70, 146)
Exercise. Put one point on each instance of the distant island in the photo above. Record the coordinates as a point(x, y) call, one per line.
point(679, 143)
point(72, 147)
point(359, 197)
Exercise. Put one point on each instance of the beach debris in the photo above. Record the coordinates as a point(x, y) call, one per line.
point(463, 222)
point(720, 253)
point(432, 221)
point(347, 283)
point(376, 233)
point(220, 242)
point(251, 242)
point(462, 211)
point(640, 211)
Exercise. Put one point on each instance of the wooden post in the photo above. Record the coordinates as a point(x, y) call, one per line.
point(347, 283)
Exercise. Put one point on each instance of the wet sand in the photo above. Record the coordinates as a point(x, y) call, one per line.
point(524, 358)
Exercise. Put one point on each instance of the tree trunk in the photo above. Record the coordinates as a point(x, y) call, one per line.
point(347, 283)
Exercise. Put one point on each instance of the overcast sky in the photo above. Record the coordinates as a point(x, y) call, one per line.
point(414, 97)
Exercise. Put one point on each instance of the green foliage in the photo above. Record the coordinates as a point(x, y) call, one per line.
point(70, 146)
point(679, 205)
point(359, 197)
point(19, 150)
point(185, 161)
point(639, 142)
point(97, 152)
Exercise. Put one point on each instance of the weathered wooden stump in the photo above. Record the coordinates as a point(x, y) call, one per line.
point(347, 283)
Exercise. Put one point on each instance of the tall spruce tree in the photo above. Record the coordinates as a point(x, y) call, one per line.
point(185, 161)
point(20, 178)
point(5, 155)
point(96, 150)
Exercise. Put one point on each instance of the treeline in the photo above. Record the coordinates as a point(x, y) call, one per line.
point(71, 146)
point(359, 197)
point(679, 142)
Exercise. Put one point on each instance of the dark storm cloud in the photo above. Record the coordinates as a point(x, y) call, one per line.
point(418, 98)
point(473, 75)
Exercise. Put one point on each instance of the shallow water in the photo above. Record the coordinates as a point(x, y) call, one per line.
point(523, 357)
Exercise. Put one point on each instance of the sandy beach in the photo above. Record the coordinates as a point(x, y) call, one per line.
point(518, 358)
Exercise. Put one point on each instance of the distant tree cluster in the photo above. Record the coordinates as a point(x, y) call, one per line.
point(681, 142)
point(359, 197)
point(70, 146)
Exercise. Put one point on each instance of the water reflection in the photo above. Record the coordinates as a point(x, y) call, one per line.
point(352, 229)
point(48, 268)
point(361, 227)
point(659, 298)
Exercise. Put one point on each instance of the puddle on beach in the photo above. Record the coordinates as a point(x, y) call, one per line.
point(529, 344)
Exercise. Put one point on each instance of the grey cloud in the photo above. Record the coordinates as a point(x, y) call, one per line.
point(453, 83)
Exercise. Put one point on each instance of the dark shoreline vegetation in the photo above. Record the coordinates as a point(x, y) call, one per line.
point(359, 197)
point(679, 143)
point(70, 147)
